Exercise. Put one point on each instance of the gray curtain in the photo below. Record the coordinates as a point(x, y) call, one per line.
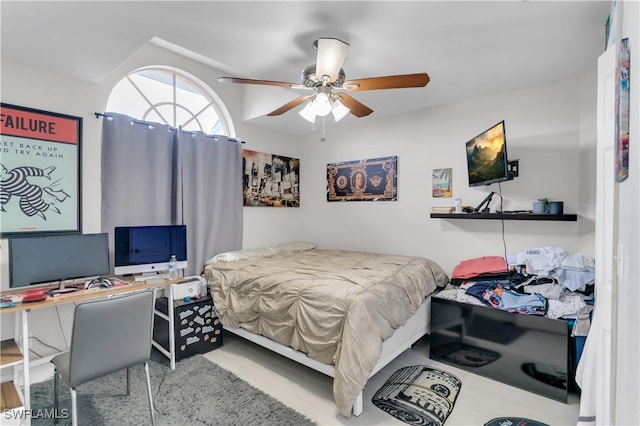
point(153, 174)
point(210, 193)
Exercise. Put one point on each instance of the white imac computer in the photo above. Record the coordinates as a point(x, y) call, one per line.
point(146, 250)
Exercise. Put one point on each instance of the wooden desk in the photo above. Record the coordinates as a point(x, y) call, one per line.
point(10, 356)
point(78, 296)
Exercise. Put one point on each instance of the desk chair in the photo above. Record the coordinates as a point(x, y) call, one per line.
point(108, 335)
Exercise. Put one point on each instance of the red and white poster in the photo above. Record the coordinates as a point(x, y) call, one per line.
point(40, 171)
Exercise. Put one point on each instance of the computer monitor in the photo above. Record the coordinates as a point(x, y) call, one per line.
point(37, 260)
point(147, 249)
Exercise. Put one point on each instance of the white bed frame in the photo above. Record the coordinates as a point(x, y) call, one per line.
point(402, 339)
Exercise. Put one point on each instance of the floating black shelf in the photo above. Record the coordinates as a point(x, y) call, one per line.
point(507, 216)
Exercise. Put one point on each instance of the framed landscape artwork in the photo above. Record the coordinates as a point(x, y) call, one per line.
point(40, 166)
point(363, 180)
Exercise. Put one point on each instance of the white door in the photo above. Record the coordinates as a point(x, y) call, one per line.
point(604, 323)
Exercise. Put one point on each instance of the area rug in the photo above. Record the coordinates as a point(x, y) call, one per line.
point(465, 355)
point(514, 421)
point(197, 392)
point(419, 395)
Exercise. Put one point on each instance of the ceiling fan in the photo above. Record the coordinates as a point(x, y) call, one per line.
point(327, 80)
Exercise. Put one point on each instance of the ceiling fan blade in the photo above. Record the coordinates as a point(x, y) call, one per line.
point(262, 82)
point(330, 57)
point(356, 107)
point(388, 82)
point(289, 105)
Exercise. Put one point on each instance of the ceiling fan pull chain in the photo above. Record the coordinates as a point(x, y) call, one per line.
point(323, 138)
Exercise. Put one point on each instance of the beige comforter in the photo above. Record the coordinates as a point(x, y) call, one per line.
point(335, 306)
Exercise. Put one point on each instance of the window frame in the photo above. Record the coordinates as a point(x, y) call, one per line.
point(213, 101)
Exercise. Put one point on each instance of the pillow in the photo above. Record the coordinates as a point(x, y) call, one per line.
point(296, 245)
point(234, 256)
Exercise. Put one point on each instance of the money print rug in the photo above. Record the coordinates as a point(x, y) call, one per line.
point(514, 421)
point(419, 395)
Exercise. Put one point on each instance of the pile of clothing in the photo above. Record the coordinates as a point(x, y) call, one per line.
point(571, 270)
point(545, 281)
point(498, 294)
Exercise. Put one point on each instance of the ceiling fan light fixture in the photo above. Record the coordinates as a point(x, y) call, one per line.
point(331, 54)
point(338, 110)
point(327, 75)
point(308, 113)
point(321, 104)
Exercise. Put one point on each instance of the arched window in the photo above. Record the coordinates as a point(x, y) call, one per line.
point(170, 96)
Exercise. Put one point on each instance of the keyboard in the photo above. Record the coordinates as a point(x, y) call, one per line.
point(147, 277)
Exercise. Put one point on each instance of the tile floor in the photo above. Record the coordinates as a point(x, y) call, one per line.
point(310, 392)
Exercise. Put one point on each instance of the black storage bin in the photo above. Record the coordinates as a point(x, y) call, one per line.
point(527, 351)
point(197, 327)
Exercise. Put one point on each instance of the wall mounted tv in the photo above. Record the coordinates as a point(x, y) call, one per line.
point(147, 249)
point(487, 161)
point(56, 258)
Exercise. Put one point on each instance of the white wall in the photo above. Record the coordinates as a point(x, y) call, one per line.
point(549, 129)
point(34, 88)
point(28, 87)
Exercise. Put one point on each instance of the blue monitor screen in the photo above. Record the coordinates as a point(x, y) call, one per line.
point(142, 245)
point(47, 259)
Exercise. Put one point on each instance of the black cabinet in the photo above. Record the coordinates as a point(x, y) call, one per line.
point(196, 326)
point(528, 351)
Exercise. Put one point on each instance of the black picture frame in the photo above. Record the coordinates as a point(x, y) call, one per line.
point(41, 169)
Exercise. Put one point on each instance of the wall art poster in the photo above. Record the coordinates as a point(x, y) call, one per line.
point(40, 165)
point(270, 180)
point(441, 183)
point(363, 180)
point(622, 111)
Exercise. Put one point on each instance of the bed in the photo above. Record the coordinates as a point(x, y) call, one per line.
point(328, 309)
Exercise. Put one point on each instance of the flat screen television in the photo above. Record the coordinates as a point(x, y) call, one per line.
point(487, 161)
point(147, 249)
point(56, 258)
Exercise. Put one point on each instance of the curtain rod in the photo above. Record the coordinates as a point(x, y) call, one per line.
point(171, 128)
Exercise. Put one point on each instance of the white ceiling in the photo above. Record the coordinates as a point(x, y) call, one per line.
point(468, 48)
